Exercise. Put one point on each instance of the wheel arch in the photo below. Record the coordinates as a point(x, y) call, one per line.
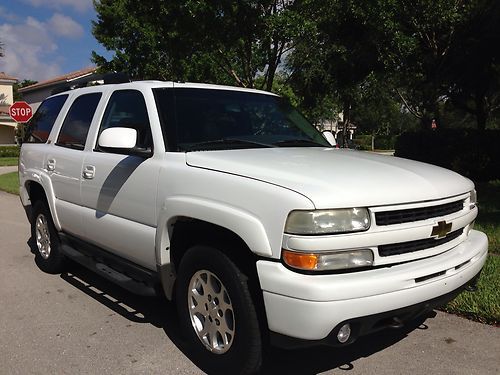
point(41, 188)
point(192, 221)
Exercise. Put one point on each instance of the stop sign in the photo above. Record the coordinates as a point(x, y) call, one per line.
point(20, 112)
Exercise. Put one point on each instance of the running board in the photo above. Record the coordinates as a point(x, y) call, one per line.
point(144, 287)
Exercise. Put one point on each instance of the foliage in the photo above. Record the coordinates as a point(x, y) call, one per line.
point(483, 305)
point(475, 51)
point(20, 85)
point(386, 65)
point(337, 58)
point(212, 41)
point(472, 153)
point(9, 151)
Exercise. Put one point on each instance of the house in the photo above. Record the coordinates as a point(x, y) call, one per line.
point(35, 94)
point(7, 125)
point(336, 127)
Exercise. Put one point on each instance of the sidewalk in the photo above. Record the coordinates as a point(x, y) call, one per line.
point(4, 170)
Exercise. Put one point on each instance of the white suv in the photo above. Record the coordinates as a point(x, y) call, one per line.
point(232, 202)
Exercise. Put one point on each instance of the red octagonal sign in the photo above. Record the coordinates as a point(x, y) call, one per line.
point(20, 112)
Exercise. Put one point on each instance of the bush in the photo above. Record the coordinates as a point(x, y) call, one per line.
point(385, 142)
point(469, 152)
point(363, 142)
point(9, 151)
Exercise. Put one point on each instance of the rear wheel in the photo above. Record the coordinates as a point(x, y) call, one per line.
point(48, 256)
point(217, 313)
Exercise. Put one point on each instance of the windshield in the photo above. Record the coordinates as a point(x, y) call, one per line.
point(208, 119)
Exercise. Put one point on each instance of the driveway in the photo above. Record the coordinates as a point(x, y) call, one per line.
point(80, 324)
point(9, 169)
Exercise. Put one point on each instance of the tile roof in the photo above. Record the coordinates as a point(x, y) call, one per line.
point(4, 76)
point(60, 79)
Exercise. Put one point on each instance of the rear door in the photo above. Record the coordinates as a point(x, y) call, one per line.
point(65, 158)
point(119, 189)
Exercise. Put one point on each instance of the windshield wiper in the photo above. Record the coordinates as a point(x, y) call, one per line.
point(298, 142)
point(223, 143)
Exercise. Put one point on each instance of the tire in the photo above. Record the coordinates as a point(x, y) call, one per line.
point(48, 255)
point(217, 314)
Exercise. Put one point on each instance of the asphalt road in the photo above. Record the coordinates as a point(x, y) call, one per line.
point(77, 323)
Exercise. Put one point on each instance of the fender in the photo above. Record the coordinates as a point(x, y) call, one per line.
point(42, 178)
point(241, 222)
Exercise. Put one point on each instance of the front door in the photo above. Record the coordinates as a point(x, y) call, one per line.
point(119, 189)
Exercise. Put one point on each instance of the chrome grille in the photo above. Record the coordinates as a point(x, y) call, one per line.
point(416, 214)
point(412, 246)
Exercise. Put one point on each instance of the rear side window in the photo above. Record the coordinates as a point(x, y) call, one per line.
point(76, 125)
point(43, 120)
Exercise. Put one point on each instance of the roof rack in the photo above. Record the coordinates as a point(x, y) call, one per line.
point(106, 78)
point(116, 77)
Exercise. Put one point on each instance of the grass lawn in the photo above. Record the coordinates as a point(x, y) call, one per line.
point(8, 161)
point(484, 304)
point(9, 182)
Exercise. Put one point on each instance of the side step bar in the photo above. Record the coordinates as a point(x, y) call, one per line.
point(127, 275)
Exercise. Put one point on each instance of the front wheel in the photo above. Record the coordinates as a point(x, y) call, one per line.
point(217, 313)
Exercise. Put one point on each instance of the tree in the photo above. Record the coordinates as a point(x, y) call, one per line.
point(212, 41)
point(334, 61)
point(20, 85)
point(474, 74)
point(424, 52)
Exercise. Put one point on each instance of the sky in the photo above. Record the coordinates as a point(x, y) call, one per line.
point(46, 38)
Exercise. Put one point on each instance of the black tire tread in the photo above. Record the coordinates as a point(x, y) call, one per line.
point(249, 358)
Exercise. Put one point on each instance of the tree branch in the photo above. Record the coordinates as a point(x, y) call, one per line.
point(410, 108)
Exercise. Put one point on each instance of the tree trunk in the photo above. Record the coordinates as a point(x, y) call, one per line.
point(481, 116)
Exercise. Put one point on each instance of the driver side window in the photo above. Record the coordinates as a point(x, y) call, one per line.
point(127, 109)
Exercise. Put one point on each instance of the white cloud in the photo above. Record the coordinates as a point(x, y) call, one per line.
point(26, 47)
point(65, 26)
point(78, 5)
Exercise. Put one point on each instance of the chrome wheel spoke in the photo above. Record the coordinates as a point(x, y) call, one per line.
point(211, 312)
point(42, 235)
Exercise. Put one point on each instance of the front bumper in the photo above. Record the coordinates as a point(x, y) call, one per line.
point(311, 307)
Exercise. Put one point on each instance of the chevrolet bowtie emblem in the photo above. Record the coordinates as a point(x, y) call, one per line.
point(441, 229)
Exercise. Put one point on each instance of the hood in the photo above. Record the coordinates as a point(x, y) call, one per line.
point(336, 178)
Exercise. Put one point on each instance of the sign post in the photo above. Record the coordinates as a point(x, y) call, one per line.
point(21, 112)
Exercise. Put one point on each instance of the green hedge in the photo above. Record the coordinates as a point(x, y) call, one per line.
point(363, 141)
point(385, 142)
point(9, 151)
point(469, 152)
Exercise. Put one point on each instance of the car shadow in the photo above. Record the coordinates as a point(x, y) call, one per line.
point(319, 359)
point(161, 313)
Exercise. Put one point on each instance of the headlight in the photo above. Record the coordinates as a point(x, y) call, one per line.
point(473, 199)
point(328, 221)
point(326, 261)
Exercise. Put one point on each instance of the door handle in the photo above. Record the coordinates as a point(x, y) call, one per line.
point(51, 165)
point(88, 172)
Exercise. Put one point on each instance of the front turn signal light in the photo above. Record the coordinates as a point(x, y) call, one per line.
point(328, 261)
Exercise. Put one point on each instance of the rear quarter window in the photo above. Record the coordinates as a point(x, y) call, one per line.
point(41, 124)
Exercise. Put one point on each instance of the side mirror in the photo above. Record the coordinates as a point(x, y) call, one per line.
point(119, 138)
point(329, 137)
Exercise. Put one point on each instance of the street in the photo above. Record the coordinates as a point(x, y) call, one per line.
point(79, 323)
